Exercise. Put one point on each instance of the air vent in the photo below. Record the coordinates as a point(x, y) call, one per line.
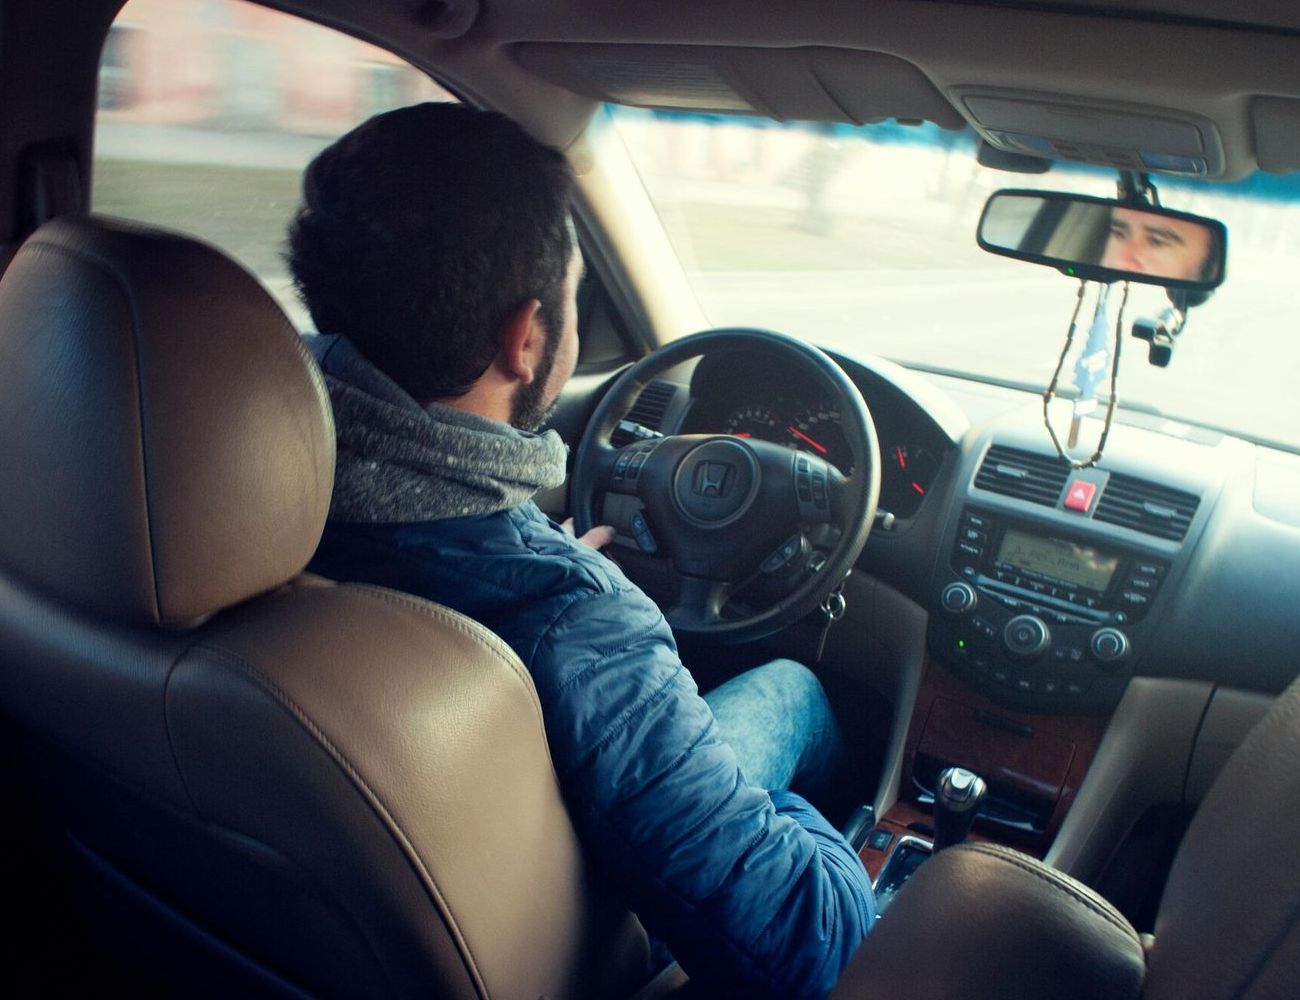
point(1146, 507)
point(648, 412)
point(1024, 475)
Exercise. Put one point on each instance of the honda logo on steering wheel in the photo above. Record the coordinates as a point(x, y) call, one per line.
point(712, 479)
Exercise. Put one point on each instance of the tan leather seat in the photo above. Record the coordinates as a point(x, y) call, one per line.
point(280, 785)
point(983, 922)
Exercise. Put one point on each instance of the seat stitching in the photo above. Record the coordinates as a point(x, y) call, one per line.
point(1051, 878)
point(454, 619)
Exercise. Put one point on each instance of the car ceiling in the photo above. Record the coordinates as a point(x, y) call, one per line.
point(1227, 73)
point(1222, 75)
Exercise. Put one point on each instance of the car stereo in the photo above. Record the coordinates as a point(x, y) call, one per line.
point(1040, 619)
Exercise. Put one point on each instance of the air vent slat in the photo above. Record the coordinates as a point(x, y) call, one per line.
point(1023, 475)
point(1147, 507)
point(648, 411)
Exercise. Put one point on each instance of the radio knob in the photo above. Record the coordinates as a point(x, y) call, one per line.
point(1109, 645)
point(959, 598)
point(1026, 636)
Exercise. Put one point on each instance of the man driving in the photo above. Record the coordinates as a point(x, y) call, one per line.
point(436, 255)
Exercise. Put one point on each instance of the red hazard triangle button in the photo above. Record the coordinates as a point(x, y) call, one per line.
point(1079, 495)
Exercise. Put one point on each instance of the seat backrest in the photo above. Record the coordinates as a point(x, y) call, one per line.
point(1229, 920)
point(277, 785)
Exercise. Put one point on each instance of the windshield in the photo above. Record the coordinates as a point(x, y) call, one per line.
point(863, 240)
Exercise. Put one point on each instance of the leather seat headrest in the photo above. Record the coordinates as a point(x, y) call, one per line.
point(166, 440)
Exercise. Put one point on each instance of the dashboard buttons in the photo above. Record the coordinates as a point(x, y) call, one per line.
point(959, 598)
point(1026, 636)
point(1079, 496)
point(1109, 645)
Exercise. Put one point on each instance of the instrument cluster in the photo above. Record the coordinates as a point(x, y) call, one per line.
point(909, 464)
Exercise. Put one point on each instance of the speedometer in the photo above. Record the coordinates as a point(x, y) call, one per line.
point(817, 429)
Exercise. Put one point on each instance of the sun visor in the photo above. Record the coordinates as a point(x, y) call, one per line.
point(1110, 135)
point(1276, 124)
point(803, 84)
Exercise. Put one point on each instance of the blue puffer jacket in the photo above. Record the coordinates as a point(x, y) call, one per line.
point(753, 893)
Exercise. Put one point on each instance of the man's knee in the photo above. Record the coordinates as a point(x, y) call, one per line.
point(794, 680)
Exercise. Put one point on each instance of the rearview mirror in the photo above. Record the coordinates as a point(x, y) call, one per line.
point(1102, 239)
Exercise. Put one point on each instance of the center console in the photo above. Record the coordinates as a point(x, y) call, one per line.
point(1033, 765)
point(1039, 616)
point(1049, 592)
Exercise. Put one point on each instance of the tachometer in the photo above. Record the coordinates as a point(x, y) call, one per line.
point(754, 420)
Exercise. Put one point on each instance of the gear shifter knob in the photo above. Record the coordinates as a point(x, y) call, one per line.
point(957, 797)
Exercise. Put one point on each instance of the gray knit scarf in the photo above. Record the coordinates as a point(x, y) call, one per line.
point(399, 462)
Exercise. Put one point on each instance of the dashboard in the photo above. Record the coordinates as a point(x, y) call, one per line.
point(1057, 606)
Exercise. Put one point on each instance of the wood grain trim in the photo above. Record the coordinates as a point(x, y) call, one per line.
point(1051, 763)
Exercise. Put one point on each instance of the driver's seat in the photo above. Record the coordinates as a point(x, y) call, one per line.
point(278, 785)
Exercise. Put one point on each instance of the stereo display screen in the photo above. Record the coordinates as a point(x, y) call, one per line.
point(1059, 560)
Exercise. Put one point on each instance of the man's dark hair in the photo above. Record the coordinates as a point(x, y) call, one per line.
point(422, 230)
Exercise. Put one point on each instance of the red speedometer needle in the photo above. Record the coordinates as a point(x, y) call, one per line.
point(804, 437)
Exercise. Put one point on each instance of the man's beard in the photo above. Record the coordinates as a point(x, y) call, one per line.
point(530, 408)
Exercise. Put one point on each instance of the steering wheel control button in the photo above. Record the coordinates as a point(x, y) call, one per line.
point(1079, 495)
point(959, 598)
point(819, 490)
point(784, 554)
point(1026, 636)
point(645, 540)
point(716, 482)
point(803, 480)
point(1109, 645)
point(629, 463)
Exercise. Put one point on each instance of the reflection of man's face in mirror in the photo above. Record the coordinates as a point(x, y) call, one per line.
point(1156, 245)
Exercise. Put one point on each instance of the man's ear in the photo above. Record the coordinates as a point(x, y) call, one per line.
point(522, 339)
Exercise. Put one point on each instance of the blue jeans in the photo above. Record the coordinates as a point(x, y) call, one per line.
point(778, 720)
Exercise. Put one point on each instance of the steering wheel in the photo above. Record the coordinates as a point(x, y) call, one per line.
point(731, 513)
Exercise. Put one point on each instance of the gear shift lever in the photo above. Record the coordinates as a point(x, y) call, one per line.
point(957, 797)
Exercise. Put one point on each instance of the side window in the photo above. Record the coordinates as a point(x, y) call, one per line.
point(210, 109)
